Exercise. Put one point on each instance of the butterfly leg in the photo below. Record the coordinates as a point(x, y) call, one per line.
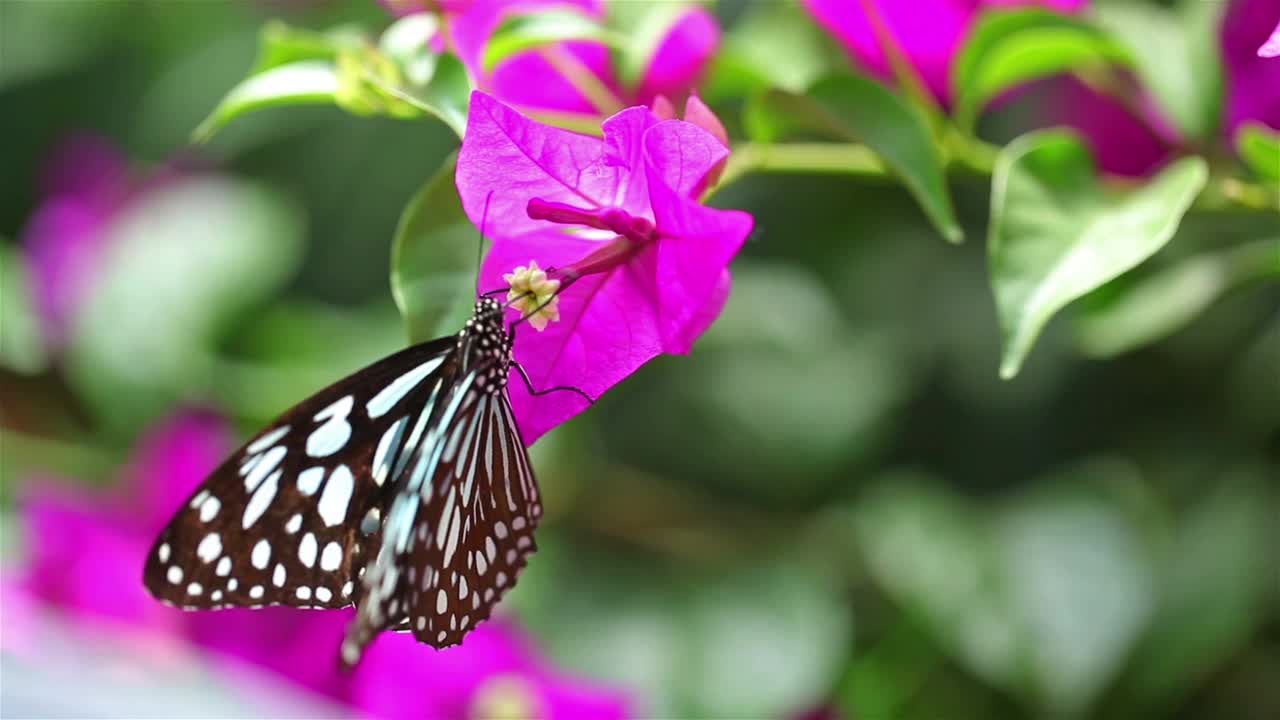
point(524, 375)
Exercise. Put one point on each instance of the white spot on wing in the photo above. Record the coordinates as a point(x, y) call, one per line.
point(307, 550)
point(209, 508)
point(264, 467)
point(163, 552)
point(267, 440)
point(387, 446)
point(279, 575)
point(379, 404)
point(334, 433)
point(210, 547)
point(259, 501)
point(294, 523)
point(331, 558)
point(336, 496)
point(174, 575)
point(224, 567)
point(309, 480)
point(261, 554)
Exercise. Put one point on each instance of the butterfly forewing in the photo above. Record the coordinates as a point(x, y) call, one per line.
point(292, 517)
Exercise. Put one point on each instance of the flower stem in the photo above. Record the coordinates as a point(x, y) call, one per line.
point(972, 156)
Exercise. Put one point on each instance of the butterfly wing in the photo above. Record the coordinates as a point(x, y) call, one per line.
point(488, 508)
point(292, 517)
point(461, 527)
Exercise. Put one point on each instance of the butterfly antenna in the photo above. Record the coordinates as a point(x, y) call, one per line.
point(484, 219)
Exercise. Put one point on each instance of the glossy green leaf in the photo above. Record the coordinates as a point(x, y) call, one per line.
point(408, 42)
point(1214, 594)
point(525, 31)
point(853, 108)
point(1010, 47)
point(282, 44)
point(444, 97)
point(182, 261)
point(1259, 147)
point(1176, 55)
point(1155, 306)
point(302, 82)
point(21, 345)
point(433, 259)
point(1056, 233)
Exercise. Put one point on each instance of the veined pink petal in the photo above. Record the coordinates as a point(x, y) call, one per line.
point(519, 159)
point(682, 154)
point(608, 328)
point(624, 148)
point(681, 57)
point(697, 241)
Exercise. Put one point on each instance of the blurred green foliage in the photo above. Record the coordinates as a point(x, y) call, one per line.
point(834, 498)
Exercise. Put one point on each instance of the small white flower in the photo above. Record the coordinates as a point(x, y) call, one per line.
point(533, 294)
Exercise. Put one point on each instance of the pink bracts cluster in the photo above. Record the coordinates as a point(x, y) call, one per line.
point(643, 264)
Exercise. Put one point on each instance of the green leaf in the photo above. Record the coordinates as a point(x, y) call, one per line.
point(303, 82)
point(407, 41)
point(773, 44)
point(530, 30)
point(21, 345)
point(1008, 48)
point(444, 97)
point(1176, 55)
point(182, 262)
point(853, 108)
point(933, 553)
point(1056, 233)
point(1216, 582)
point(1259, 147)
point(1080, 584)
point(682, 637)
point(282, 44)
point(433, 259)
point(1155, 306)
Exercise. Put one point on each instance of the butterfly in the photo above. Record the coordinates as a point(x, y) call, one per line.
point(403, 490)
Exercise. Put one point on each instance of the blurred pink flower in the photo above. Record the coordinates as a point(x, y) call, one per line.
point(929, 32)
point(1138, 140)
point(576, 76)
point(85, 182)
point(643, 265)
point(86, 555)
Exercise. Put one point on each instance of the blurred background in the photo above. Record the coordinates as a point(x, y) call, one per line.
point(832, 508)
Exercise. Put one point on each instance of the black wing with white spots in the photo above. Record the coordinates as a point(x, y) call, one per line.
point(404, 489)
point(292, 517)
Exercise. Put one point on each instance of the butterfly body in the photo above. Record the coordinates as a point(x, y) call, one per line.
point(404, 490)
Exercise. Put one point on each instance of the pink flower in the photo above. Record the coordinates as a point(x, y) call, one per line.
point(87, 551)
point(643, 265)
point(929, 32)
point(494, 674)
point(1138, 140)
point(576, 76)
point(85, 183)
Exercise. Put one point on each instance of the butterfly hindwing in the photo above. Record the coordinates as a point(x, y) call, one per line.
point(483, 515)
point(292, 516)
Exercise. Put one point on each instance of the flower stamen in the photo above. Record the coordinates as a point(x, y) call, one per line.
point(534, 295)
